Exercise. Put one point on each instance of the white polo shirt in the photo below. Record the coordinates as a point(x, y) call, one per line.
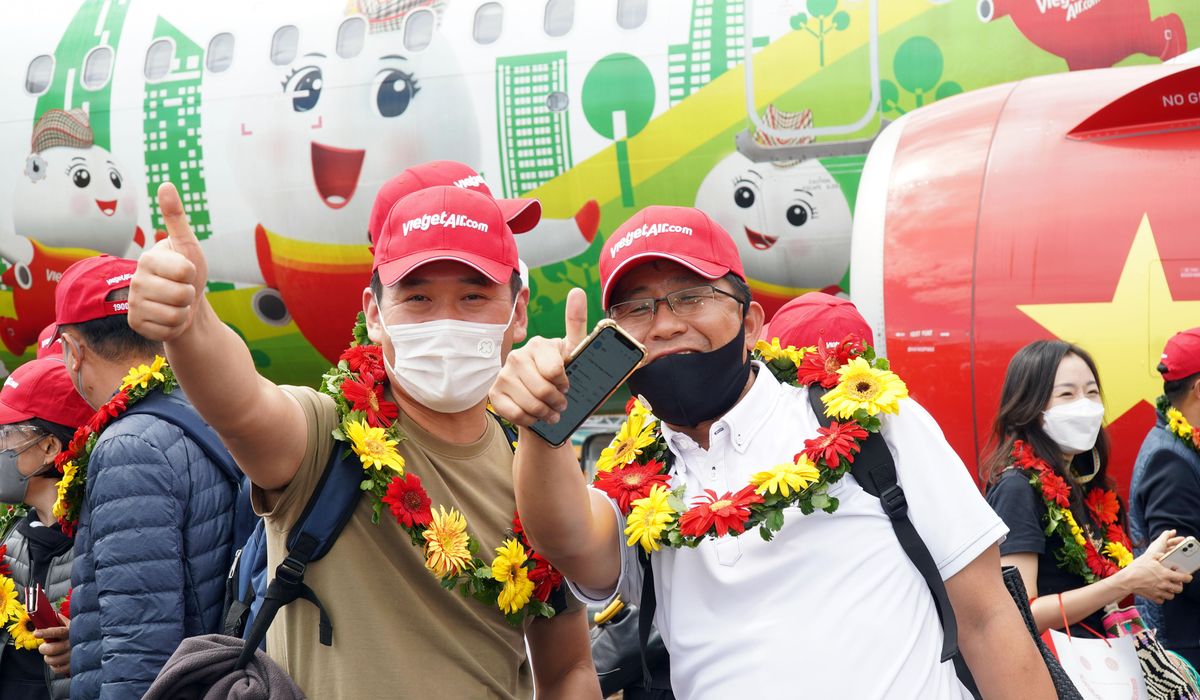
point(832, 607)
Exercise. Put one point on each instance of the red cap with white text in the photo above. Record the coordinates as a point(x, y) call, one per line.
point(84, 287)
point(817, 317)
point(1181, 356)
point(48, 343)
point(42, 389)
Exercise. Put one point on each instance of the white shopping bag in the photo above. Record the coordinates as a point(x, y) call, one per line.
point(1102, 669)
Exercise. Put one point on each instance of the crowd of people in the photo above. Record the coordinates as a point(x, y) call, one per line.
point(782, 514)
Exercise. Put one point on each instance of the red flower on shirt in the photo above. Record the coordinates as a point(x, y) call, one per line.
point(1116, 533)
point(1100, 565)
point(368, 397)
point(1055, 488)
point(1103, 506)
point(408, 501)
point(728, 512)
point(835, 442)
point(633, 481)
point(366, 360)
point(4, 570)
point(821, 367)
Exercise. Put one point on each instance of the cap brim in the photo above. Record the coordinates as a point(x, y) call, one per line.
point(521, 214)
point(700, 267)
point(9, 415)
point(395, 270)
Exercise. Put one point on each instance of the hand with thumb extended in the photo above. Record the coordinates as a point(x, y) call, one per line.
point(169, 283)
point(576, 321)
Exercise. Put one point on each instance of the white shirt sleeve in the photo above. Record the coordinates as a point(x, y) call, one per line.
point(629, 581)
point(944, 505)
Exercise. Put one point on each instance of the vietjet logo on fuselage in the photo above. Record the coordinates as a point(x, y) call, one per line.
point(646, 231)
point(446, 220)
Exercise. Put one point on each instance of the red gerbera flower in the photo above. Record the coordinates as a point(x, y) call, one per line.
point(1100, 565)
point(1103, 506)
point(631, 482)
point(4, 570)
point(1116, 534)
point(1056, 489)
point(408, 500)
point(64, 608)
point(368, 397)
point(821, 367)
point(1023, 454)
point(728, 512)
point(837, 441)
point(366, 361)
point(544, 576)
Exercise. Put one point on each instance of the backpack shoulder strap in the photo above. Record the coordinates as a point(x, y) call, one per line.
point(875, 471)
point(325, 515)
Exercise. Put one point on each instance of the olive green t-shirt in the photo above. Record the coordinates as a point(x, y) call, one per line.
point(396, 632)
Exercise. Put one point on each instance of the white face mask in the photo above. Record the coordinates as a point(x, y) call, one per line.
point(447, 365)
point(1074, 426)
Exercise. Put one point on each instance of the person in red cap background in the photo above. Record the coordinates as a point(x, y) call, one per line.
point(444, 306)
point(156, 512)
point(1164, 493)
point(817, 317)
point(734, 611)
point(39, 412)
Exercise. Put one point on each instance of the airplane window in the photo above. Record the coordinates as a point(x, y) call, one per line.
point(418, 30)
point(220, 53)
point(284, 44)
point(350, 37)
point(158, 59)
point(97, 67)
point(631, 14)
point(37, 78)
point(489, 19)
point(557, 101)
point(560, 15)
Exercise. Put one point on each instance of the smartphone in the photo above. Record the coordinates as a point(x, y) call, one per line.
point(597, 368)
point(1184, 557)
point(40, 610)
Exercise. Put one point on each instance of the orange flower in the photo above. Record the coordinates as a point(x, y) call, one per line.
point(1055, 489)
point(1103, 506)
point(631, 482)
point(728, 512)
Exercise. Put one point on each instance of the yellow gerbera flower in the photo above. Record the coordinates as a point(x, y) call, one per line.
point(60, 504)
point(1076, 531)
point(9, 604)
point(1178, 424)
point(649, 517)
point(863, 387)
point(1118, 553)
point(509, 568)
point(447, 544)
point(373, 446)
point(774, 350)
point(22, 628)
point(141, 375)
point(635, 435)
point(785, 478)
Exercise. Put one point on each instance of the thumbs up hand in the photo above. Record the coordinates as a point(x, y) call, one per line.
point(169, 283)
point(532, 385)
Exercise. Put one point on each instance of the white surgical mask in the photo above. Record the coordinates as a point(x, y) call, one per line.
point(1074, 426)
point(447, 365)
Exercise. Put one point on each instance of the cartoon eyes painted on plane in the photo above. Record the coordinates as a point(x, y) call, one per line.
point(791, 222)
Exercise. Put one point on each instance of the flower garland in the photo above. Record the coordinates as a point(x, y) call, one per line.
point(14, 617)
point(72, 463)
point(635, 469)
point(518, 581)
point(1079, 554)
point(1177, 425)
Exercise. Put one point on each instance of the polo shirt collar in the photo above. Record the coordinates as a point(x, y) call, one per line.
point(743, 421)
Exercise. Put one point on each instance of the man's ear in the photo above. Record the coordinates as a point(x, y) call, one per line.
point(50, 447)
point(520, 322)
point(754, 320)
point(72, 351)
point(374, 316)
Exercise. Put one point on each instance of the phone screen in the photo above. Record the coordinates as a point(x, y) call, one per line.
point(594, 373)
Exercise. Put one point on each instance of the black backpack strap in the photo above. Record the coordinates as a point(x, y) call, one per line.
point(646, 608)
point(875, 471)
point(328, 511)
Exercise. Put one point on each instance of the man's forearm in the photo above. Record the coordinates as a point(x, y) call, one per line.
point(552, 498)
point(577, 683)
point(1019, 672)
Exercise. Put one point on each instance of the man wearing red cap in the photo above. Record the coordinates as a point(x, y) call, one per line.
point(817, 317)
point(155, 531)
point(39, 412)
point(1165, 490)
point(832, 606)
point(445, 305)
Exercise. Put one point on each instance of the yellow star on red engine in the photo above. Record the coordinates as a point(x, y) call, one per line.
point(1125, 335)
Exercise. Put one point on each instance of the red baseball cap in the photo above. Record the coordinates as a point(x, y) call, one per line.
point(446, 223)
point(1181, 356)
point(84, 286)
point(42, 389)
point(817, 317)
point(522, 214)
point(48, 344)
point(680, 234)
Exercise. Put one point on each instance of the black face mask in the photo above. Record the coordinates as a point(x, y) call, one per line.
point(689, 389)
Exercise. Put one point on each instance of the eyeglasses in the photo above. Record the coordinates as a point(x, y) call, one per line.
point(27, 434)
point(639, 313)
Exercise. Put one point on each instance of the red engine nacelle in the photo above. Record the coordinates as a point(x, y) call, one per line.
point(1060, 206)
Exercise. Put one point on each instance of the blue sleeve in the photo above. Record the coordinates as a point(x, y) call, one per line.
point(1170, 494)
point(1022, 510)
point(138, 550)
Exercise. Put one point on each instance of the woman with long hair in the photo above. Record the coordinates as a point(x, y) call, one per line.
point(1047, 478)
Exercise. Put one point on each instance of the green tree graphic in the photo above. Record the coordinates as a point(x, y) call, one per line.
point(619, 89)
point(918, 66)
point(827, 18)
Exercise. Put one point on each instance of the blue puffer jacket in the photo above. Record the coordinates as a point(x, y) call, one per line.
point(153, 547)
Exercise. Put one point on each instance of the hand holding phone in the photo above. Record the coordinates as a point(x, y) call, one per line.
point(40, 609)
point(1184, 557)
